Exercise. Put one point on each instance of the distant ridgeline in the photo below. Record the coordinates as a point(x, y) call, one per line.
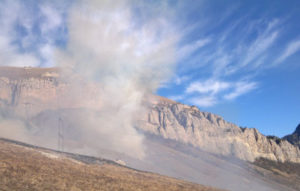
point(294, 138)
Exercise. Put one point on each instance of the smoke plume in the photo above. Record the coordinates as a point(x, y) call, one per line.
point(127, 61)
point(111, 45)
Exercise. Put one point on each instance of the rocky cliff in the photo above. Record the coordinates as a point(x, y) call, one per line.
point(29, 91)
point(294, 138)
point(212, 133)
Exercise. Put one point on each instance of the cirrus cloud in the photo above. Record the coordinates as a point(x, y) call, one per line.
point(211, 92)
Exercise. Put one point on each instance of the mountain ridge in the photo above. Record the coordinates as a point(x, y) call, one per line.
point(212, 133)
point(29, 91)
point(294, 138)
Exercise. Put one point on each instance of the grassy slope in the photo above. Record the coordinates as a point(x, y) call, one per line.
point(284, 173)
point(24, 168)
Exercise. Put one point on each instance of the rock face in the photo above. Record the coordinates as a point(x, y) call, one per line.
point(29, 91)
point(211, 133)
point(294, 138)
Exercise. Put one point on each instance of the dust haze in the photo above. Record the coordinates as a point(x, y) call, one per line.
point(123, 60)
point(113, 58)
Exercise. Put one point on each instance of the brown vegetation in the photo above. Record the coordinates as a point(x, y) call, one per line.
point(285, 173)
point(286, 167)
point(25, 168)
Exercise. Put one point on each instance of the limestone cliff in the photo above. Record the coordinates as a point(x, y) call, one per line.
point(29, 91)
point(212, 133)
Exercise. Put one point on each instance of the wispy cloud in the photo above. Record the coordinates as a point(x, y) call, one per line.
point(203, 101)
point(190, 48)
point(211, 92)
point(209, 86)
point(240, 89)
point(181, 79)
point(53, 18)
point(250, 55)
point(10, 55)
point(260, 46)
point(30, 31)
point(291, 49)
point(242, 50)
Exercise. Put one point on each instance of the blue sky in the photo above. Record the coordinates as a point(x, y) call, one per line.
point(242, 63)
point(238, 59)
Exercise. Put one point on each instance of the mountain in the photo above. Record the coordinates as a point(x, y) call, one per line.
point(212, 133)
point(24, 167)
point(30, 91)
point(294, 138)
point(179, 140)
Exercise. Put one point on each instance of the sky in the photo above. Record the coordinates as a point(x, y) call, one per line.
point(237, 59)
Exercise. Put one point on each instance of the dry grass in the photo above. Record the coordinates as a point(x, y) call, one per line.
point(286, 167)
point(286, 173)
point(23, 168)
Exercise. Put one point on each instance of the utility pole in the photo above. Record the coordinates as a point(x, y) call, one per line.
point(60, 135)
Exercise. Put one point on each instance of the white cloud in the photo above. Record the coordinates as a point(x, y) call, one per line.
point(224, 61)
point(209, 86)
point(181, 79)
point(212, 92)
point(259, 62)
point(53, 18)
point(240, 89)
point(260, 46)
point(9, 53)
point(203, 101)
point(291, 49)
point(243, 51)
point(187, 50)
point(177, 80)
point(221, 63)
point(207, 92)
point(23, 45)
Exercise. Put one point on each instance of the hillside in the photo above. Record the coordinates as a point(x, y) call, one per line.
point(32, 168)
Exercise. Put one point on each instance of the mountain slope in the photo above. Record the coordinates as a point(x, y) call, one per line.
point(32, 168)
point(169, 157)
